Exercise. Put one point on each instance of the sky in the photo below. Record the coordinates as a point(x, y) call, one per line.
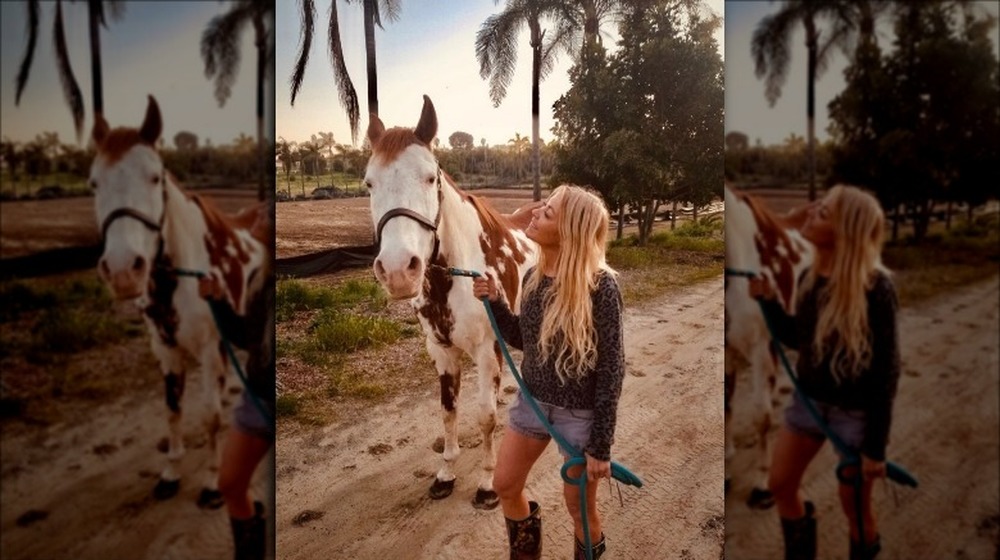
point(429, 50)
point(747, 109)
point(153, 49)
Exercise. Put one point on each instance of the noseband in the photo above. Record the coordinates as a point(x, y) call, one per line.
point(153, 225)
point(407, 213)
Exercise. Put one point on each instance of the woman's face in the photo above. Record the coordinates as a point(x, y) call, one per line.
point(819, 227)
point(544, 226)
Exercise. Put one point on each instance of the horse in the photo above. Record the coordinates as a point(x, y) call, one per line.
point(152, 230)
point(426, 224)
point(762, 243)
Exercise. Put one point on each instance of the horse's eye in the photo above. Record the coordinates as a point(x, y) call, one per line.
point(156, 179)
point(368, 184)
point(93, 184)
point(430, 180)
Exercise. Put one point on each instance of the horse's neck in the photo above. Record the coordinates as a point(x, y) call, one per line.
point(184, 229)
point(459, 229)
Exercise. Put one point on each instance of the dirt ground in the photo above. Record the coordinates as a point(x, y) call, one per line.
point(358, 488)
point(81, 487)
point(944, 432)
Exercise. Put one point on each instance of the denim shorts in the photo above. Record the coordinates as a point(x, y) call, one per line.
point(849, 425)
point(248, 419)
point(572, 424)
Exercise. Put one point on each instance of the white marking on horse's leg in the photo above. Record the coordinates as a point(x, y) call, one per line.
point(446, 361)
point(488, 367)
point(174, 376)
point(214, 369)
point(763, 372)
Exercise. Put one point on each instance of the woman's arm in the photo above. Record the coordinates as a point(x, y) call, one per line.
point(610, 369)
point(883, 374)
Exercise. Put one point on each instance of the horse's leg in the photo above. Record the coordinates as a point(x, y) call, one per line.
point(172, 366)
point(488, 365)
point(215, 366)
point(729, 389)
point(447, 361)
point(763, 375)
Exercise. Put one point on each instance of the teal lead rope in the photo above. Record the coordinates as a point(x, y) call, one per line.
point(618, 472)
point(230, 352)
point(893, 472)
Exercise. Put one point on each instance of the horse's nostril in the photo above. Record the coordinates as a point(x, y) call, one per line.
point(414, 263)
point(105, 270)
point(379, 269)
point(138, 264)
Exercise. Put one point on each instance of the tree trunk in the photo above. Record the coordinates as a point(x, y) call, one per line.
point(261, 43)
point(370, 8)
point(811, 40)
point(621, 220)
point(94, 9)
point(536, 73)
point(673, 217)
point(947, 216)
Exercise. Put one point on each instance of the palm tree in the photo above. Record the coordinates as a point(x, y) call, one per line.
point(74, 97)
point(496, 48)
point(285, 154)
point(770, 49)
point(374, 10)
point(221, 53)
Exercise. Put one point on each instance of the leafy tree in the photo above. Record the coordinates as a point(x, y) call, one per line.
point(461, 140)
point(374, 12)
point(71, 90)
point(220, 51)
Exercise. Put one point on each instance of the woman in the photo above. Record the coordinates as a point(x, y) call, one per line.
point(570, 330)
point(253, 418)
point(848, 365)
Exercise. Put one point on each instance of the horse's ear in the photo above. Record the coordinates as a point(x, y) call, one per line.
point(428, 126)
point(101, 130)
point(375, 129)
point(152, 125)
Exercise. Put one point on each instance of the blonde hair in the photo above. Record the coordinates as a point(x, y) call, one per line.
point(568, 317)
point(842, 328)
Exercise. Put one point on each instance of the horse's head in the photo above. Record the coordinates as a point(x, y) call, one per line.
point(405, 183)
point(128, 177)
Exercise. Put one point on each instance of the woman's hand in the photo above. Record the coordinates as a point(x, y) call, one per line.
point(597, 469)
point(872, 469)
point(760, 288)
point(485, 286)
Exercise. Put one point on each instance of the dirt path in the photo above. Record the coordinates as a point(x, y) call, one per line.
point(92, 480)
point(944, 432)
point(368, 478)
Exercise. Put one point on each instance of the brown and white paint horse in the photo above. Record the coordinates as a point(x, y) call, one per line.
point(152, 228)
point(762, 243)
point(425, 225)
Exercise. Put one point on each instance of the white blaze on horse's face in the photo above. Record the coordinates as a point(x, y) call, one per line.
point(127, 173)
point(403, 174)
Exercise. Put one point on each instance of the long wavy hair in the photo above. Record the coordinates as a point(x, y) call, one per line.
point(842, 330)
point(567, 330)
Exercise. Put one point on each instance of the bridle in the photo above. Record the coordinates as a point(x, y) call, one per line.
point(423, 221)
point(153, 225)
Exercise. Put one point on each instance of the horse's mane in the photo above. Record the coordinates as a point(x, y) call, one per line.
point(394, 141)
point(244, 219)
point(765, 217)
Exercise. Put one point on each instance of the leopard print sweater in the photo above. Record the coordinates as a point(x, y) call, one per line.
point(600, 388)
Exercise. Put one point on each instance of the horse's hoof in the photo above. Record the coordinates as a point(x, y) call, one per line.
point(442, 488)
point(210, 499)
point(485, 499)
point(760, 499)
point(166, 489)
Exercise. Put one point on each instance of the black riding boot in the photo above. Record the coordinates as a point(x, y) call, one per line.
point(859, 552)
point(525, 536)
point(800, 535)
point(581, 549)
point(249, 535)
